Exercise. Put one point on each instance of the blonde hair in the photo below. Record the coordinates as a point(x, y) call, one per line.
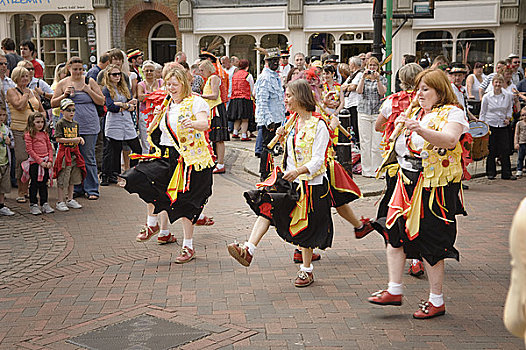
point(182, 77)
point(208, 66)
point(373, 59)
point(122, 85)
point(58, 71)
point(407, 75)
point(23, 63)
point(301, 90)
point(437, 80)
point(18, 73)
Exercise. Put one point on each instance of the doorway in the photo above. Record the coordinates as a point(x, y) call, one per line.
point(163, 45)
point(350, 50)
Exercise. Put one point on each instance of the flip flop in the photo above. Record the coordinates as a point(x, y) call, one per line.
point(92, 197)
point(206, 221)
point(21, 199)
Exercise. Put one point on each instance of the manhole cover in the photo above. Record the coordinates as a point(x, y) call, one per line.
point(144, 332)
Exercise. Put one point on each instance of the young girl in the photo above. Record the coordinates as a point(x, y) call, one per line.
point(39, 163)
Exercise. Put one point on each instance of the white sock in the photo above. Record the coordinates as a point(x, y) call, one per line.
point(152, 220)
point(201, 216)
point(359, 227)
point(415, 261)
point(189, 243)
point(251, 248)
point(306, 269)
point(220, 166)
point(244, 136)
point(235, 132)
point(164, 233)
point(436, 299)
point(395, 288)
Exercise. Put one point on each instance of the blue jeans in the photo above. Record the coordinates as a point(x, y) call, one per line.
point(91, 182)
point(259, 141)
point(522, 155)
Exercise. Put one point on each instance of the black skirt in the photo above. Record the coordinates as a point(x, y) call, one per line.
point(436, 237)
point(277, 208)
point(340, 198)
point(240, 108)
point(219, 124)
point(150, 179)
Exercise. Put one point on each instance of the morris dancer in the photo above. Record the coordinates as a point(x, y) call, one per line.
point(304, 221)
point(421, 213)
point(177, 178)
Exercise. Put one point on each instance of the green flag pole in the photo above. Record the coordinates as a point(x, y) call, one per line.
point(389, 41)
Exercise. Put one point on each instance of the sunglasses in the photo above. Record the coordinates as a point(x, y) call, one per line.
point(3, 63)
point(145, 71)
point(115, 74)
point(30, 69)
point(70, 110)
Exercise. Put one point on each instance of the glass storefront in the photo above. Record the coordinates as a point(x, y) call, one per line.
point(434, 43)
point(476, 46)
point(319, 43)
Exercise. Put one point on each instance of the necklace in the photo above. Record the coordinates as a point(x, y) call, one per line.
point(150, 87)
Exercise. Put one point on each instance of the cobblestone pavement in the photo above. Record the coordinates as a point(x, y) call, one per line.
point(65, 274)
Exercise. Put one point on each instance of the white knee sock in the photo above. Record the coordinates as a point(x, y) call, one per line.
point(436, 299)
point(244, 136)
point(395, 288)
point(188, 243)
point(235, 131)
point(306, 269)
point(164, 233)
point(251, 248)
point(152, 220)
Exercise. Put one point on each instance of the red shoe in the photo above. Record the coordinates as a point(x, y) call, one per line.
point(428, 310)
point(245, 139)
point(166, 239)
point(304, 279)
point(365, 229)
point(234, 136)
point(383, 297)
point(147, 232)
point(417, 269)
point(187, 254)
point(205, 221)
point(298, 258)
point(240, 253)
point(219, 171)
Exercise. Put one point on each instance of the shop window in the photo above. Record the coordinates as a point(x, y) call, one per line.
point(320, 43)
point(242, 46)
point(476, 46)
point(347, 37)
point(431, 44)
point(214, 44)
point(83, 38)
point(53, 43)
point(274, 40)
point(23, 28)
point(163, 43)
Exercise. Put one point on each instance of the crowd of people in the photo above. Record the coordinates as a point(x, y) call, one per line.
point(160, 131)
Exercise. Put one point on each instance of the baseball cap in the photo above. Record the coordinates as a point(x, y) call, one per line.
point(65, 103)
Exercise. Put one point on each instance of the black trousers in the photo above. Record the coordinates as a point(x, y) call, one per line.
point(354, 124)
point(264, 160)
point(36, 186)
point(499, 146)
point(111, 161)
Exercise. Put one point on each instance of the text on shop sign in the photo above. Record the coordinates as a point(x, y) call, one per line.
point(11, 2)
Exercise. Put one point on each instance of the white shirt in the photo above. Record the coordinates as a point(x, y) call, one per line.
point(456, 115)
point(318, 153)
point(284, 72)
point(173, 115)
point(354, 98)
point(495, 109)
point(41, 84)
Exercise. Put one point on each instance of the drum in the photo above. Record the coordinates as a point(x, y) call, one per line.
point(474, 107)
point(480, 132)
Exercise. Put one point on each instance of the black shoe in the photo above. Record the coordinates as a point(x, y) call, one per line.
point(491, 177)
point(465, 187)
point(512, 177)
point(78, 194)
point(105, 180)
point(113, 180)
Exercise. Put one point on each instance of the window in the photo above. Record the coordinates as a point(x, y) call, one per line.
point(83, 38)
point(214, 44)
point(242, 46)
point(163, 43)
point(320, 43)
point(475, 46)
point(23, 28)
point(434, 43)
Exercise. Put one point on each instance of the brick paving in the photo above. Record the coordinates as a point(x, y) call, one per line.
point(82, 270)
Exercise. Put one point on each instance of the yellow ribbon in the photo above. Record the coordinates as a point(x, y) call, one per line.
point(176, 184)
point(299, 216)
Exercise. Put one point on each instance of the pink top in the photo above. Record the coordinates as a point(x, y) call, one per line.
point(39, 147)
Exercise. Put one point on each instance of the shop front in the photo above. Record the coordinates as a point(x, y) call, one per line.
point(59, 29)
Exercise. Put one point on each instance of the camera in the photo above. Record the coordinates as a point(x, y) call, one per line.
point(369, 71)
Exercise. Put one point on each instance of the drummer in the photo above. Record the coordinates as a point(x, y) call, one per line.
point(457, 73)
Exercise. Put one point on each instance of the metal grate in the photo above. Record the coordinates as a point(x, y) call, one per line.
point(144, 332)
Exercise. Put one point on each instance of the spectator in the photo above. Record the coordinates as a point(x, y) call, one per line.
point(440, 62)
point(234, 60)
point(352, 98)
point(299, 61)
point(158, 71)
point(104, 61)
point(135, 61)
point(85, 93)
point(487, 81)
point(241, 107)
point(372, 87)
point(8, 46)
point(496, 110)
point(22, 102)
point(520, 141)
point(119, 124)
point(27, 50)
point(293, 75)
point(284, 65)
point(407, 58)
point(518, 73)
point(474, 80)
point(7, 84)
point(180, 57)
point(42, 89)
point(144, 88)
point(332, 97)
point(344, 70)
point(197, 80)
point(37, 168)
point(6, 144)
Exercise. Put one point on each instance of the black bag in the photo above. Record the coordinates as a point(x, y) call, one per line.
point(46, 102)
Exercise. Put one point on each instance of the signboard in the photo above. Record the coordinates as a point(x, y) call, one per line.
point(44, 5)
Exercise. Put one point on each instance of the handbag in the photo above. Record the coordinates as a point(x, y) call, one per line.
point(46, 102)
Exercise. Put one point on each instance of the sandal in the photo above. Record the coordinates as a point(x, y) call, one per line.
point(92, 197)
point(21, 199)
point(206, 221)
